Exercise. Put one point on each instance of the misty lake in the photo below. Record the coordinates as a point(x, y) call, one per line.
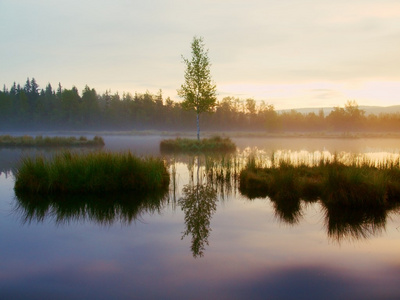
point(204, 240)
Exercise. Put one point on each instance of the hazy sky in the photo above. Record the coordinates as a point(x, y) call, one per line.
point(292, 54)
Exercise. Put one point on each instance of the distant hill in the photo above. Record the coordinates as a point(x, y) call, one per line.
point(375, 110)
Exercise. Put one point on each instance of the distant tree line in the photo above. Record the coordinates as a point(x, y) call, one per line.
point(30, 107)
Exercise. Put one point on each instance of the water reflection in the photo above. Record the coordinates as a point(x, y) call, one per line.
point(100, 209)
point(287, 208)
point(342, 223)
point(354, 224)
point(252, 258)
point(208, 179)
point(199, 203)
point(219, 170)
point(360, 207)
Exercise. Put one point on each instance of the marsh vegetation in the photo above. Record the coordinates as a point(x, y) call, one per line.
point(213, 144)
point(355, 183)
point(204, 214)
point(40, 141)
point(93, 172)
point(355, 193)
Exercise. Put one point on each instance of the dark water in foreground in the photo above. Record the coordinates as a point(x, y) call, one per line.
point(198, 242)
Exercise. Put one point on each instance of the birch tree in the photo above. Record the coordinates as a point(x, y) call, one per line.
point(198, 90)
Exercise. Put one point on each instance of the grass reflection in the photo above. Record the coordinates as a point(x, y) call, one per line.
point(355, 193)
point(220, 170)
point(354, 224)
point(287, 208)
point(355, 197)
point(100, 209)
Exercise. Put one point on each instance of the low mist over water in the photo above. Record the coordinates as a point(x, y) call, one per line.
point(202, 239)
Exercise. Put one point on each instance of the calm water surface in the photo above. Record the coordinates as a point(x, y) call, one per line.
point(201, 241)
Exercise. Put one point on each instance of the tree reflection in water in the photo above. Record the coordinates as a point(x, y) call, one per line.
point(199, 203)
point(215, 178)
point(101, 209)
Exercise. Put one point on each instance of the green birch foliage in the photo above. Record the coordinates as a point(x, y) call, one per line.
point(198, 91)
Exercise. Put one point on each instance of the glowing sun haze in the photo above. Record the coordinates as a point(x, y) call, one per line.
point(298, 53)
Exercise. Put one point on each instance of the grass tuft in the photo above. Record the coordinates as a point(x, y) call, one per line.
point(94, 172)
point(349, 185)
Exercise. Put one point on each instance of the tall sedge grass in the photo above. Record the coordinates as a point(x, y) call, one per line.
point(40, 141)
point(213, 144)
point(221, 168)
point(359, 183)
point(356, 198)
point(94, 172)
point(355, 186)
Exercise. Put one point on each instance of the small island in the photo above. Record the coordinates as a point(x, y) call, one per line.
point(185, 145)
point(40, 141)
point(334, 183)
point(93, 172)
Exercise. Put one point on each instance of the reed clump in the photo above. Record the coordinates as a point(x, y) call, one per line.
point(334, 183)
point(185, 145)
point(40, 141)
point(93, 172)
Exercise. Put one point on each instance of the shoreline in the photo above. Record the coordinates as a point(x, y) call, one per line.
point(207, 134)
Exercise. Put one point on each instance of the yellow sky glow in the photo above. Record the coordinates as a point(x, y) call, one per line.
point(302, 53)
